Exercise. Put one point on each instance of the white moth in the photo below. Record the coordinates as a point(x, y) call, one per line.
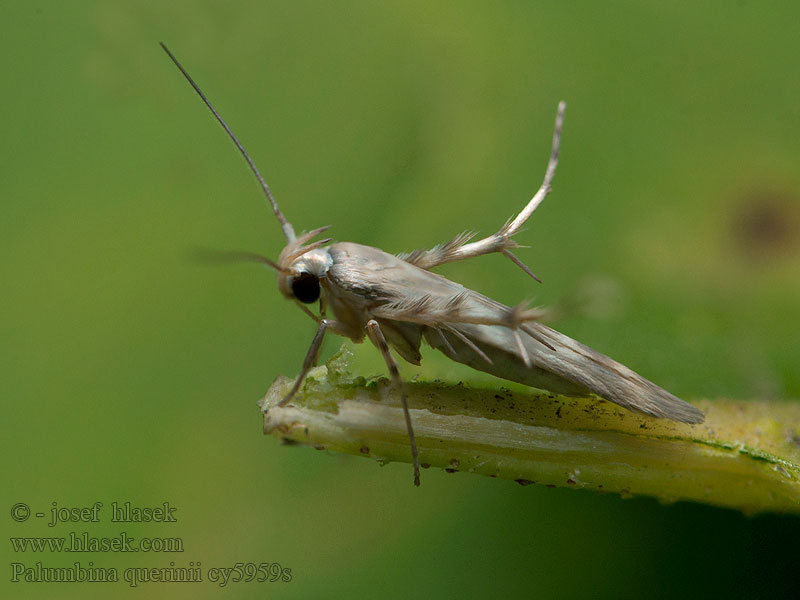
point(396, 301)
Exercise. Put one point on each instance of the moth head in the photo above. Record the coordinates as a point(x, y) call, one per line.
point(301, 281)
point(304, 287)
point(301, 267)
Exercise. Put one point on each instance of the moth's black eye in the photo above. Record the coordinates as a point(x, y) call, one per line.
point(305, 288)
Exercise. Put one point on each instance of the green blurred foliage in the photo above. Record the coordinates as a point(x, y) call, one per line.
point(130, 372)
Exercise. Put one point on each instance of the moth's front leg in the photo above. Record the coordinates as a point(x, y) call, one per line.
point(376, 336)
point(313, 352)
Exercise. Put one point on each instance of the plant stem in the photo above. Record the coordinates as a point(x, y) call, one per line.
point(745, 456)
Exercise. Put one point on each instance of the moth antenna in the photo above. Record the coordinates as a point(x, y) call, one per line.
point(288, 230)
point(209, 256)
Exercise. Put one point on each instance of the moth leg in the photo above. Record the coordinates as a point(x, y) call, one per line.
point(520, 318)
point(446, 342)
point(377, 338)
point(459, 247)
point(464, 339)
point(313, 353)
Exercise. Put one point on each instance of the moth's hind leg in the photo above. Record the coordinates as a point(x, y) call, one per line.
point(377, 338)
point(460, 247)
point(521, 319)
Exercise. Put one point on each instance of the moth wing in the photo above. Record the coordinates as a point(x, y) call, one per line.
point(492, 349)
point(612, 380)
point(572, 368)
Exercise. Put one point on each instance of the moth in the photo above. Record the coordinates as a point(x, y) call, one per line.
point(396, 301)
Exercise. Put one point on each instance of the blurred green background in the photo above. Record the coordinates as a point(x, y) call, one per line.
point(131, 373)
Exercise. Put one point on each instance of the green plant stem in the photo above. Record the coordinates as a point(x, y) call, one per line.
point(745, 456)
